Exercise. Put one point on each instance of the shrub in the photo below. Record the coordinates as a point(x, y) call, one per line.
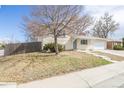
point(2, 46)
point(50, 46)
point(118, 47)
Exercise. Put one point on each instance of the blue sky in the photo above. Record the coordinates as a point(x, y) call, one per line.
point(11, 19)
point(11, 22)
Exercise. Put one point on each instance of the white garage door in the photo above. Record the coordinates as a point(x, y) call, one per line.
point(99, 45)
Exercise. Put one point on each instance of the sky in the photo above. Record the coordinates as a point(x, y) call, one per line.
point(11, 20)
point(118, 16)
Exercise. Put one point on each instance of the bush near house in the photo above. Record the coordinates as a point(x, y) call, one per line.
point(118, 47)
point(50, 46)
point(2, 46)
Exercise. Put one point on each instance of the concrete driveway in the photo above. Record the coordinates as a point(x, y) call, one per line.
point(115, 52)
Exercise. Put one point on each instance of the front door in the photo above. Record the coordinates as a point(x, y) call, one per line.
point(75, 44)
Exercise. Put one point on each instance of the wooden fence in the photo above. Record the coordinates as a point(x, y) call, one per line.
point(19, 48)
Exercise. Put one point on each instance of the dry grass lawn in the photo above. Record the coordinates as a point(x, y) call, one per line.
point(113, 57)
point(33, 66)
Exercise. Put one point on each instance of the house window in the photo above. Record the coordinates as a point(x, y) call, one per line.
point(83, 42)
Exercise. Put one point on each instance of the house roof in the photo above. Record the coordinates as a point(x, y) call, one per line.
point(93, 38)
point(63, 40)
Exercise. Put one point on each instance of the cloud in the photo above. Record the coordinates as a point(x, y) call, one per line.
point(116, 11)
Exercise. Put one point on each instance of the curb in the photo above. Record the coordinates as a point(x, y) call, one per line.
point(8, 85)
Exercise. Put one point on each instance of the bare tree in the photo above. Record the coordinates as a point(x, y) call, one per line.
point(105, 26)
point(55, 20)
point(81, 24)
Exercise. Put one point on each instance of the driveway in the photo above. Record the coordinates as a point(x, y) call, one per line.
point(115, 52)
point(1, 52)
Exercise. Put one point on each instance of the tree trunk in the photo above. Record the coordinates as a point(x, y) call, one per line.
point(56, 43)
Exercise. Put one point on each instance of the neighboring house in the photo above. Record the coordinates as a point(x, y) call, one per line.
point(111, 44)
point(77, 42)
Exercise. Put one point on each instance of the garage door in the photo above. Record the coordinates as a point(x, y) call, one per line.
point(99, 45)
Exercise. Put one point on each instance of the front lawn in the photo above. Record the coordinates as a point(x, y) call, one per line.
point(33, 66)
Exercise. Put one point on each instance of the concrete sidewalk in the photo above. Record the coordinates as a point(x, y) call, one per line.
point(114, 82)
point(81, 79)
point(8, 85)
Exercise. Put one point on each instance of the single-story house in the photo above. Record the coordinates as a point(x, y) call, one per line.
point(77, 42)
